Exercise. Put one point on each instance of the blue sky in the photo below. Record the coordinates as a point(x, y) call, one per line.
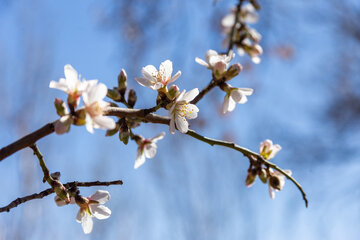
point(189, 190)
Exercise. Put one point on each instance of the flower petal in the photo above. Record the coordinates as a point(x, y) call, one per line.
point(101, 196)
point(271, 192)
point(202, 62)
point(59, 85)
point(181, 124)
point(79, 215)
point(176, 76)
point(89, 123)
point(100, 211)
point(149, 72)
point(158, 137)
point(225, 105)
point(105, 122)
point(172, 126)
point(140, 158)
point(166, 69)
point(146, 82)
point(150, 150)
point(189, 96)
point(191, 111)
point(87, 223)
point(97, 92)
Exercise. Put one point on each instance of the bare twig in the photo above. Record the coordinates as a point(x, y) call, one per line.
point(49, 191)
point(233, 29)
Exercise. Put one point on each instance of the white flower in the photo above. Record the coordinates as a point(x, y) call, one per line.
point(276, 181)
point(218, 63)
point(233, 96)
point(155, 79)
point(94, 106)
point(268, 150)
point(93, 207)
point(182, 109)
point(71, 85)
point(147, 149)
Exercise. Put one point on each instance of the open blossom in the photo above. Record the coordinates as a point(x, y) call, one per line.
point(181, 109)
point(92, 207)
point(71, 85)
point(233, 96)
point(155, 79)
point(218, 63)
point(268, 150)
point(147, 149)
point(94, 105)
point(276, 181)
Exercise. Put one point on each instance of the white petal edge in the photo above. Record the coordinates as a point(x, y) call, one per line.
point(100, 211)
point(101, 196)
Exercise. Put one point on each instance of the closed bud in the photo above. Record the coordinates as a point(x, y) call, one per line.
point(114, 94)
point(173, 92)
point(79, 117)
point(233, 71)
point(219, 69)
point(60, 106)
point(124, 132)
point(122, 82)
point(250, 179)
point(275, 182)
point(132, 98)
point(262, 175)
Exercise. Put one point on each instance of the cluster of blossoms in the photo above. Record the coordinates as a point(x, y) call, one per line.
point(91, 114)
point(245, 38)
point(219, 65)
point(275, 179)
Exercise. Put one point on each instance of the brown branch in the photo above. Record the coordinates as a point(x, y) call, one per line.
point(49, 128)
point(27, 140)
point(49, 191)
point(233, 29)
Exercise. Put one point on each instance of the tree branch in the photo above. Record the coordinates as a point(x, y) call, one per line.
point(247, 153)
point(49, 191)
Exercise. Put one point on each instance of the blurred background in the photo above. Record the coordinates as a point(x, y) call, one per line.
point(306, 99)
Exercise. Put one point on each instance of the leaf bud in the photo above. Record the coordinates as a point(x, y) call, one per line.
point(233, 71)
point(122, 82)
point(60, 107)
point(132, 98)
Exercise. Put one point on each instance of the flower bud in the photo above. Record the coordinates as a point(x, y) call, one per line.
point(275, 182)
point(219, 69)
point(233, 71)
point(262, 175)
point(250, 179)
point(60, 106)
point(132, 98)
point(114, 94)
point(124, 132)
point(122, 82)
point(173, 92)
point(79, 117)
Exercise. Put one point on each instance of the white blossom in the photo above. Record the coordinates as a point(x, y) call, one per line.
point(280, 181)
point(247, 14)
point(253, 49)
point(218, 63)
point(94, 105)
point(71, 85)
point(268, 150)
point(147, 149)
point(181, 109)
point(233, 96)
point(93, 207)
point(155, 79)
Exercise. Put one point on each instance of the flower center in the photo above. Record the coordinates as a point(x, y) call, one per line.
point(94, 109)
point(184, 110)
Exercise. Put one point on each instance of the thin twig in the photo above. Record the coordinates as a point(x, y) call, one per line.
point(233, 29)
point(49, 191)
point(246, 152)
